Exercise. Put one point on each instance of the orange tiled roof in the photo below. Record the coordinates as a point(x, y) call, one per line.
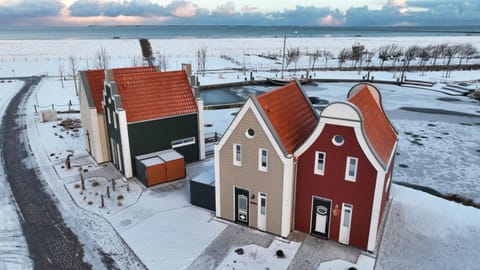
point(147, 96)
point(96, 77)
point(95, 81)
point(290, 114)
point(132, 70)
point(378, 129)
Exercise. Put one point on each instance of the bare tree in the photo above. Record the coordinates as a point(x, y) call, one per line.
point(343, 55)
point(384, 54)
point(102, 59)
point(467, 51)
point(451, 52)
point(61, 70)
point(135, 62)
point(326, 55)
point(74, 71)
point(424, 55)
point(314, 57)
point(147, 51)
point(369, 56)
point(293, 54)
point(358, 51)
point(162, 61)
point(410, 54)
point(202, 59)
point(437, 51)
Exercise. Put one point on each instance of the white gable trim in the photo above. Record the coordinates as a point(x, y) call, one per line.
point(216, 156)
point(377, 204)
point(249, 105)
point(287, 198)
point(127, 160)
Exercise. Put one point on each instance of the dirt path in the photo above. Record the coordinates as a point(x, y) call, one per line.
point(51, 243)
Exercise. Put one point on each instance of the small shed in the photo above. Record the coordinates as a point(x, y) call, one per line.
point(202, 190)
point(159, 167)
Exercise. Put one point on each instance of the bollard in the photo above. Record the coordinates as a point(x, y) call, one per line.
point(108, 192)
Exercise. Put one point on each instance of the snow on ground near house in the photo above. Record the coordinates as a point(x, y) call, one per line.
point(363, 263)
point(164, 229)
point(257, 257)
point(426, 232)
point(13, 247)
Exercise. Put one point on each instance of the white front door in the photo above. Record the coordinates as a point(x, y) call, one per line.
point(262, 211)
point(345, 222)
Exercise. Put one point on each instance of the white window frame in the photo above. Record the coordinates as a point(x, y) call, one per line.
point(183, 142)
point(237, 162)
point(108, 115)
point(114, 116)
point(119, 158)
point(260, 156)
point(316, 170)
point(348, 177)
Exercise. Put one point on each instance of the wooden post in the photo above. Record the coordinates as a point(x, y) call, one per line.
point(113, 184)
point(82, 181)
point(108, 192)
point(102, 203)
point(128, 187)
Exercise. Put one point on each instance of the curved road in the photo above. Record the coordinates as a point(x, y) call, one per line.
point(51, 243)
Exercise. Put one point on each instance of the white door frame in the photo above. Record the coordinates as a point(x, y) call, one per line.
point(345, 225)
point(262, 218)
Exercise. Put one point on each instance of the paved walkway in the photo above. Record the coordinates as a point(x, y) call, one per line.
point(51, 243)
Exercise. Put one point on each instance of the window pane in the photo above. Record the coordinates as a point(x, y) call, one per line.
point(320, 161)
point(242, 202)
point(352, 167)
point(346, 217)
point(263, 202)
point(264, 158)
point(238, 155)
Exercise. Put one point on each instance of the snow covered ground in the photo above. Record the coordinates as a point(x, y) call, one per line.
point(422, 231)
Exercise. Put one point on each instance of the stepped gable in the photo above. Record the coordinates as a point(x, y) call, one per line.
point(149, 96)
point(379, 131)
point(290, 114)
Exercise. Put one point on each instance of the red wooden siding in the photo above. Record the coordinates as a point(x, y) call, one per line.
point(332, 185)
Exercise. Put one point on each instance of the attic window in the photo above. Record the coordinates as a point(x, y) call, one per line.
point(338, 140)
point(250, 133)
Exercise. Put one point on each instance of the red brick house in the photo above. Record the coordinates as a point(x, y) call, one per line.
point(344, 170)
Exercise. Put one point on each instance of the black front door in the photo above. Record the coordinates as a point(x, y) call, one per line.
point(320, 216)
point(241, 206)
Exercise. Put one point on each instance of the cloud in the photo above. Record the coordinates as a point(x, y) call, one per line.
point(91, 8)
point(183, 9)
point(393, 12)
point(30, 8)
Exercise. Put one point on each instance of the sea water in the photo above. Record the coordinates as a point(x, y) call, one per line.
point(185, 31)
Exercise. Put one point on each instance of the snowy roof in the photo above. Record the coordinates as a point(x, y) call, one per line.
point(290, 114)
point(147, 96)
point(379, 131)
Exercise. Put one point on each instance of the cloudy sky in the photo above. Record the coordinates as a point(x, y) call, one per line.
point(240, 12)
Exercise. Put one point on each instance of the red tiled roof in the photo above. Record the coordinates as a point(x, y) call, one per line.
point(96, 77)
point(132, 70)
point(290, 114)
point(378, 129)
point(95, 81)
point(147, 96)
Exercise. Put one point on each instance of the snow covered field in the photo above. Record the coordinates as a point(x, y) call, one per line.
point(435, 150)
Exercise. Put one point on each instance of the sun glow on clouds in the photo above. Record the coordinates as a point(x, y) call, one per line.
point(329, 20)
point(187, 10)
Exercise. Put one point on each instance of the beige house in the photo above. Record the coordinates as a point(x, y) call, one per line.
point(254, 164)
